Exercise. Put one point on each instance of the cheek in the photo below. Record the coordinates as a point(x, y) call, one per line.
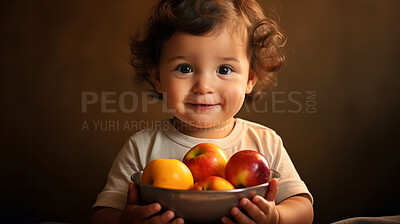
point(173, 92)
point(234, 98)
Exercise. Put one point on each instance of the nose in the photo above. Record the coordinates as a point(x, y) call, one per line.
point(203, 84)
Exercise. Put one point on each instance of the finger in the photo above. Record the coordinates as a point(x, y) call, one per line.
point(163, 218)
point(262, 203)
point(272, 190)
point(133, 197)
point(178, 221)
point(239, 216)
point(144, 212)
point(227, 220)
point(252, 210)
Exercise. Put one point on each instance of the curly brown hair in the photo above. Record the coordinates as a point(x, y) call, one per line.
point(265, 40)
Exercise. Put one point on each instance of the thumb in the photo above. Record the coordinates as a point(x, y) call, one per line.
point(133, 197)
point(272, 190)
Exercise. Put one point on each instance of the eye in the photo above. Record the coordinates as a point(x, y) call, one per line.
point(224, 70)
point(184, 69)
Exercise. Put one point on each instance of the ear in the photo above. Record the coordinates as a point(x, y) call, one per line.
point(155, 79)
point(251, 81)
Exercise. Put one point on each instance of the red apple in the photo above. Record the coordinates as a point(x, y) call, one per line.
point(212, 183)
point(204, 160)
point(247, 168)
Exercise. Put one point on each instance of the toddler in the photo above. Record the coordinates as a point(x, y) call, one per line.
point(204, 58)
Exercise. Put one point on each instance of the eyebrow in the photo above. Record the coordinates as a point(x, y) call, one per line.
point(229, 59)
point(177, 57)
point(186, 57)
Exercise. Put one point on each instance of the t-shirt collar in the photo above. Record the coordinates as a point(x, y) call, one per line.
point(189, 141)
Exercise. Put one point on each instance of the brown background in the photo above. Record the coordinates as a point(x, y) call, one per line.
point(51, 51)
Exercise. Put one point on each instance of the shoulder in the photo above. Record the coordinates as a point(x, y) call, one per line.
point(254, 125)
point(258, 130)
point(266, 140)
point(140, 146)
point(148, 130)
point(150, 133)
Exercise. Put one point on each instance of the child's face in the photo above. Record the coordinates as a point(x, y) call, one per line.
point(204, 79)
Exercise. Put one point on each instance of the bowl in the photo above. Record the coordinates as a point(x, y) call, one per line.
point(198, 206)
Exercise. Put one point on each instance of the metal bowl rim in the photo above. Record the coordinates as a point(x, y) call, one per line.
point(239, 190)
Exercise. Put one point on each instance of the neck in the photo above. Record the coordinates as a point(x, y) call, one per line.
point(218, 130)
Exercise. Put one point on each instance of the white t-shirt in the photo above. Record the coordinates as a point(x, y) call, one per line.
point(164, 141)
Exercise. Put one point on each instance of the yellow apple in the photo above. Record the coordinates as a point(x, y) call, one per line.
point(168, 173)
point(212, 183)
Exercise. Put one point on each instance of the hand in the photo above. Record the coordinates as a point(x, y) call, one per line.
point(259, 209)
point(136, 213)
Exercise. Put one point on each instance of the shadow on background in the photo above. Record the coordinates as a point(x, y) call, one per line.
point(336, 105)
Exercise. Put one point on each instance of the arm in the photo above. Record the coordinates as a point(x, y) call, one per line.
point(105, 215)
point(296, 209)
point(133, 212)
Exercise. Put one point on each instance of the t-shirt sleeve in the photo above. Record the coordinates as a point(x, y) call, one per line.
point(115, 191)
point(290, 183)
